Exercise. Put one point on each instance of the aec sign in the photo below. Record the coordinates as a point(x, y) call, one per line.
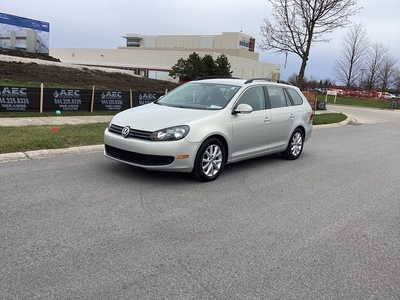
point(19, 99)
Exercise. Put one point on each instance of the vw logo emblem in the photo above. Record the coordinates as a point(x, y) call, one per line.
point(125, 131)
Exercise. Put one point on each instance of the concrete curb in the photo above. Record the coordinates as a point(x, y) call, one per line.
point(8, 157)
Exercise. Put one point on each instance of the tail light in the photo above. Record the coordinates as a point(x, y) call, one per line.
point(311, 118)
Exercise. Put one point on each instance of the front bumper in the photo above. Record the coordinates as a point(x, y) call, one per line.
point(151, 155)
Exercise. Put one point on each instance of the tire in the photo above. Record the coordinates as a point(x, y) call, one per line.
point(210, 160)
point(295, 145)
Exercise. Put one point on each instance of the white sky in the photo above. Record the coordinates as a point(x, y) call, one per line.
point(102, 23)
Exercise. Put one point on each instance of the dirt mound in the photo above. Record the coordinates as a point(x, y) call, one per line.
point(34, 71)
point(25, 54)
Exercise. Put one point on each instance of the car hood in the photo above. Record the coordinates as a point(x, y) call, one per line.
point(151, 117)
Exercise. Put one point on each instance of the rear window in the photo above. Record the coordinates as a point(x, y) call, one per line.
point(297, 100)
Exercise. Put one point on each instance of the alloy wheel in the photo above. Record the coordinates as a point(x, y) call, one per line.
point(212, 160)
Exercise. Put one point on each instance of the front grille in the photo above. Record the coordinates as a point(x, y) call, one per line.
point(138, 158)
point(133, 133)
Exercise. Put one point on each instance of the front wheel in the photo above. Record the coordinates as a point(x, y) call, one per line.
point(295, 145)
point(210, 160)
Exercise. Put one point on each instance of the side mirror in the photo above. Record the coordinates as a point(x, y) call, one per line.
point(243, 109)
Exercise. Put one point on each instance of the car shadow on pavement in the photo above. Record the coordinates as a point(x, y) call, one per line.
point(124, 171)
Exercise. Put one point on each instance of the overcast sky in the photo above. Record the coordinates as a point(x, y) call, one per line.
point(102, 23)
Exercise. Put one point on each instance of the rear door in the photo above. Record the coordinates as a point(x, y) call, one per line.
point(282, 117)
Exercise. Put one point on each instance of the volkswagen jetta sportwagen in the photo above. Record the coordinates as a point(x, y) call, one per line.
point(205, 124)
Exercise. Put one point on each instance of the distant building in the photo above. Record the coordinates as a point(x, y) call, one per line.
point(19, 33)
point(153, 55)
point(24, 40)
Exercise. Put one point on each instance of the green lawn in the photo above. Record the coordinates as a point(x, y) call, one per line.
point(25, 138)
point(328, 118)
point(356, 101)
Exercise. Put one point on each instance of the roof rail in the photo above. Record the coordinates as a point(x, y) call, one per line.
point(214, 77)
point(268, 79)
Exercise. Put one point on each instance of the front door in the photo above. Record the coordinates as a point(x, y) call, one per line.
point(251, 131)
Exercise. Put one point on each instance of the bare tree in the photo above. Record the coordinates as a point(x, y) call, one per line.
point(354, 47)
point(387, 72)
point(397, 80)
point(376, 55)
point(300, 23)
point(293, 79)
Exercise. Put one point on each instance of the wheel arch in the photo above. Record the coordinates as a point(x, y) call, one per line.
point(303, 130)
point(223, 141)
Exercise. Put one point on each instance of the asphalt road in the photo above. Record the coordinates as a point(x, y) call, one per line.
point(325, 226)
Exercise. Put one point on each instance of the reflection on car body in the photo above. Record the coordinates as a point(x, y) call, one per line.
point(203, 125)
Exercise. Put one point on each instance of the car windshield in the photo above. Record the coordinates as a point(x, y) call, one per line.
point(200, 95)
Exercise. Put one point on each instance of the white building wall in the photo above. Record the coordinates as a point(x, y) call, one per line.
point(228, 40)
point(158, 60)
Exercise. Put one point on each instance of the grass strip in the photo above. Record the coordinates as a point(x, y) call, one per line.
point(328, 118)
point(356, 102)
point(25, 138)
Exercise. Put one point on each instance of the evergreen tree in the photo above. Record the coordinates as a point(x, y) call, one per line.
point(210, 67)
point(223, 66)
point(195, 66)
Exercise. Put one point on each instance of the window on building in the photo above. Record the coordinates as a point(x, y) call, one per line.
point(132, 42)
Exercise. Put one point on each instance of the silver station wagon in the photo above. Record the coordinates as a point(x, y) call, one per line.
point(201, 126)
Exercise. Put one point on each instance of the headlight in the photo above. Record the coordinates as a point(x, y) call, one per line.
point(170, 134)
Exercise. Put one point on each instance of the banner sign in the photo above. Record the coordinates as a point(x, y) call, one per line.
point(22, 99)
point(14, 99)
point(111, 100)
point(66, 99)
point(22, 33)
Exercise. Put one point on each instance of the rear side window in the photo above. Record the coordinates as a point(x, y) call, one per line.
point(297, 100)
point(278, 97)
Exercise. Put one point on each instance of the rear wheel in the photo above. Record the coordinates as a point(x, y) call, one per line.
point(295, 145)
point(210, 160)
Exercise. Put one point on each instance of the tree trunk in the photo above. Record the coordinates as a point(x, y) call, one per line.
point(301, 72)
point(304, 59)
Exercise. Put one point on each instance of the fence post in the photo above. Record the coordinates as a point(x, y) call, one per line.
point(92, 102)
point(41, 99)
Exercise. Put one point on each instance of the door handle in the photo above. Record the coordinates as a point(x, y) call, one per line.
point(292, 116)
point(266, 120)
